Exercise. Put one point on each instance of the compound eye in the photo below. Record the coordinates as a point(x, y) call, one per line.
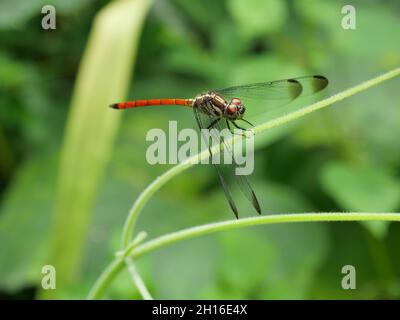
point(242, 110)
point(236, 101)
point(231, 108)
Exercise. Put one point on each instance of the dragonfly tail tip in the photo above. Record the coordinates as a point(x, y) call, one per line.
point(114, 105)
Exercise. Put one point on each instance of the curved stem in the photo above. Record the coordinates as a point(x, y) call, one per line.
point(105, 278)
point(137, 279)
point(253, 221)
point(145, 196)
point(161, 180)
point(113, 269)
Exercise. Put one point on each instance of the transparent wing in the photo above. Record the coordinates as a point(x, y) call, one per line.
point(285, 90)
point(269, 100)
point(207, 122)
point(204, 122)
point(241, 180)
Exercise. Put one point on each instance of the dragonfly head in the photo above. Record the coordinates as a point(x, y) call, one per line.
point(235, 109)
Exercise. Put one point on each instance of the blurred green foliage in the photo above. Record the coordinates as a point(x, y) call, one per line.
point(346, 158)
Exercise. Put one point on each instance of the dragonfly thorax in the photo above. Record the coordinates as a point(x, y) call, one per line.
point(217, 106)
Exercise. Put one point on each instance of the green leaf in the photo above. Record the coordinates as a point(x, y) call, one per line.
point(377, 228)
point(275, 262)
point(24, 224)
point(246, 259)
point(348, 247)
point(91, 128)
point(356, 43)
point(393, 245)
point(257, 17)
point(185, 270)
point(14, 13)
point(361, 188)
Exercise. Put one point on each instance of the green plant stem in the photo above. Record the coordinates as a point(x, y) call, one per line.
point(120, 257)
point(137, 279)
point(105, 278)
point(145, 196)
point(161, 180)
point(117, 265)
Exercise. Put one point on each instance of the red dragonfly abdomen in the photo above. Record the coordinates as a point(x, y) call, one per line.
point(152, 102)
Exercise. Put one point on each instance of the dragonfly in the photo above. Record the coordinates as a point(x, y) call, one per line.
point(215, 109)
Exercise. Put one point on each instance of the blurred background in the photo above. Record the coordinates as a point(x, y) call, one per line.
point(70, 168)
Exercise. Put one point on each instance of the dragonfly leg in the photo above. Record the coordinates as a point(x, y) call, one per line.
point(232, 131)
point(236, 125)
point(229, 127)
point(212, 124)
point(243, 129)
point(248, 122)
